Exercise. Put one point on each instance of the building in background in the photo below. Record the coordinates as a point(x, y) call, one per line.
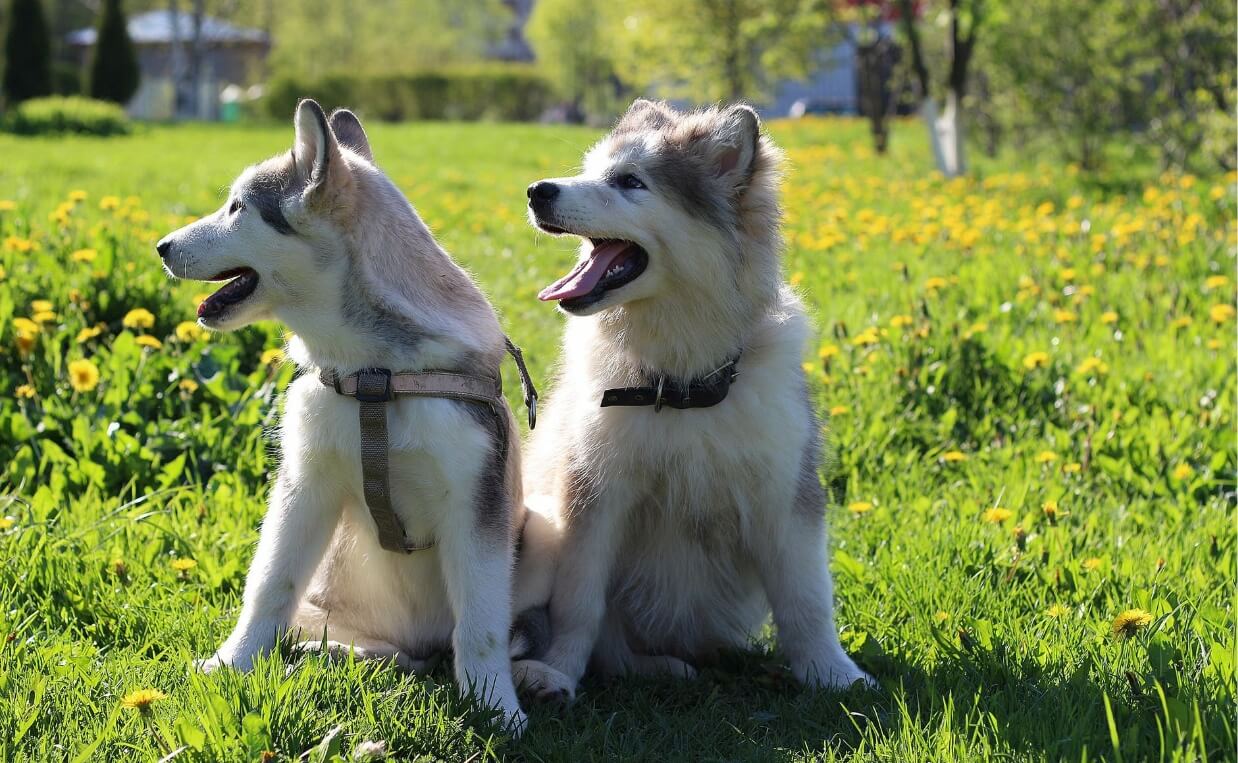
point(224, 55)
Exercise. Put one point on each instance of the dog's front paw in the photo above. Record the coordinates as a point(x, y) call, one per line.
point(543, 682)
point(517, 723)
point(225, 658)
point(836, 672)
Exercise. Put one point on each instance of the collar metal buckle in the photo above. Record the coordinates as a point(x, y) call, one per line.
point(657, 400)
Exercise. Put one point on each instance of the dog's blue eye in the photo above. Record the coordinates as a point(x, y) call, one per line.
point(630, 181)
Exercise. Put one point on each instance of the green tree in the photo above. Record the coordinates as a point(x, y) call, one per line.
point(1159, 72)
point(313, 38)
point(114, 74)
point(575, 45)
point(720, 49)
point(944, 116)
point(27, 52)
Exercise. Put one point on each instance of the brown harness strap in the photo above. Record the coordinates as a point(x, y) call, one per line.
point(374, 387)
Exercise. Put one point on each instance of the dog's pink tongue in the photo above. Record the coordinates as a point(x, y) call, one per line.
point(586, 274)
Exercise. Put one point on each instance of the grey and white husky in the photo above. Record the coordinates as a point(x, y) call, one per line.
point(321, 240)
point(684, 523)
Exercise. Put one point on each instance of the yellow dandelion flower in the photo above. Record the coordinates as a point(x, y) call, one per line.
point(996, 515)
point(1221, 313)
point(1064, 316)
point(7, 205)
point(1215, 344)
point(1109, 317)
point(1130, 622)
point(1045, 457)
point(84, 255)
point(88, 333)
point(1182, 472)
point(935, 283)
point(868, 336)
point(1216, 193)
point(901, 321)
point(953, 456)
point(142, 699)
point(44, 316)
point(860, 507)
point(1072, 468)
point(138, 318)
point(1093, 365)
point(272, 356)
point(27, 331)
point(83, 375)
point(1051, 510)
point(109, 202)
point(188, 386)
point(1036, 359)
point(976, 328)
point(941, 616)
point(145, 340)
point(41, 306)
point(1074, 202)
point(1091, 564)
point(77, 195)
point(839, 410)
point(1057, 610)
point(189, 331)
point(1216, 282)
point(797, 278)
point(6, 523)
point(184, 564)
point(24, 391)
point(1181, 322)
point(827, 351)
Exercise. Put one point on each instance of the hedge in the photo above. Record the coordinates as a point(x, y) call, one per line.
point(496, 92)
point(71, 114)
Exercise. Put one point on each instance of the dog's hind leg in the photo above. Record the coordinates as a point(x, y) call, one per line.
point(613, 656)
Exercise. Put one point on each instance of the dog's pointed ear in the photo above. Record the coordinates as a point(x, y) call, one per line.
point(315, 152)
point(350, 134)
point(645, 114)
point(736, 139)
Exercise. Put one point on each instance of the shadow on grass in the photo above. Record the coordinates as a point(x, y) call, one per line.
point(747, 707)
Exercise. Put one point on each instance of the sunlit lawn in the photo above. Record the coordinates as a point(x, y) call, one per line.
point(1030, 377)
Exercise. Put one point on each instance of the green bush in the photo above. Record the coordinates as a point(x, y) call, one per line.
point(73, 114)
point(496, 92)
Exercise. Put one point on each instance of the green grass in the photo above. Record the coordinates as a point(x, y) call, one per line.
point(932, 299)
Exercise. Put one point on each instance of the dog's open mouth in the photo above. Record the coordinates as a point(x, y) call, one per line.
point(241, 283)
point(612, 263)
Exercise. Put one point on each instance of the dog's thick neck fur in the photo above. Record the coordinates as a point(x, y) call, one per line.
point(401, 303)
point(692, 332)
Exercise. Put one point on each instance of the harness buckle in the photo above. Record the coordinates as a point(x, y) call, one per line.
point(657, 400)
point(374, 385)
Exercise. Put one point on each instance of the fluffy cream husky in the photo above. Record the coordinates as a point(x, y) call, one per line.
point(679, 449)
point(321, 240)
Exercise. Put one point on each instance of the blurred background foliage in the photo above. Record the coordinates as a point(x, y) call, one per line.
point(1025, 76)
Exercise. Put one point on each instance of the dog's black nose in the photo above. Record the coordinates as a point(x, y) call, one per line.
point(164, 247)
point(542, 191)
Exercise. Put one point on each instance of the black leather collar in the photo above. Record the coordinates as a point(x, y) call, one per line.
point(702, 392)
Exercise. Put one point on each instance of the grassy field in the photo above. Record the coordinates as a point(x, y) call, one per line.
point(1030, 380)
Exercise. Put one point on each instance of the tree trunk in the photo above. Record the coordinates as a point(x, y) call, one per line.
point(946, 133)
point(180, 85)
point(196, 53)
